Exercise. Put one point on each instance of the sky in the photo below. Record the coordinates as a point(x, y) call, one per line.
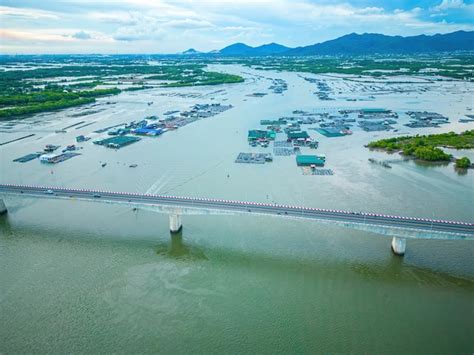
point(171, 26)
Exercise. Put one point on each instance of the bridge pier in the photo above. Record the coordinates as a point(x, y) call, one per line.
point(175, 223)
point(399, 245)
point(3, 208)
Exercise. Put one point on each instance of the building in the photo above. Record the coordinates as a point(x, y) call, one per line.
point(49, 158)
point(297, 135)
point(308, 160)
point(331, 131)
point(117, 141)
point(256, 134)
point(148, 131)
point(81, 138)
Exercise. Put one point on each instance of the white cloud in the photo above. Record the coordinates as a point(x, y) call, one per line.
point(63, 35)
point(450, 4)
point(26, 13)
point(168, 26)
point(82, 35)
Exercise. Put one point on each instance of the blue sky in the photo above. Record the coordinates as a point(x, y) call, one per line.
point(169, 26)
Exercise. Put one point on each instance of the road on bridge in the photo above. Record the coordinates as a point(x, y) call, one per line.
point(463, 229)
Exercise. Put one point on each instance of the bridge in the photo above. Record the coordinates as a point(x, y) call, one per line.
point(398, 227)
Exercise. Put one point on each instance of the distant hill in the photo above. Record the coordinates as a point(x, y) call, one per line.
point(362, 44)
point(369, 43)
point(238, 49)
point(190, 51)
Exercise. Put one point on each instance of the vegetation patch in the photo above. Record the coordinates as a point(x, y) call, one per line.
point(47, 100)
point(207, 78)
point(454, 66)
point(426, 147)
point(463, 163)
point(43, 89)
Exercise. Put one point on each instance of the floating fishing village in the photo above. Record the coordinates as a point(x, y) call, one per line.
point(339, 123)
point(125, 134)
point(200, 204)
point(285, 136)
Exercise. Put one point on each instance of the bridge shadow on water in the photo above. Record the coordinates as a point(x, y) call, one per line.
point(177, 249)
point(174, 246)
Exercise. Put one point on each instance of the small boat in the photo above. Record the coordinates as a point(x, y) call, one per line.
point(103, 164)
point(133, 165)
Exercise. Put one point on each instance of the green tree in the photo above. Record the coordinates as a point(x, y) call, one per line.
point(463, 163)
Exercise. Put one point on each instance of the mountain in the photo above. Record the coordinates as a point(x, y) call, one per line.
point(269, 49)
point(362, 44)
point(370, 43)
point(190, 51)
point(357, 44)
point(241, 49)
point(236, 49)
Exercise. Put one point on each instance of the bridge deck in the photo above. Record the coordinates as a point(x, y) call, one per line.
point(463, 229)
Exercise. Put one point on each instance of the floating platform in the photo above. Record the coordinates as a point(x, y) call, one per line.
point(118, 141)
point(73, 125)
point(283, 152)
point(27, 158)
point(329, 132)
point(57, 158)
point(105, 129)
point(320, 172)
point(86, 124)
point(283, 144)
point(253, 158)
point(17, 139)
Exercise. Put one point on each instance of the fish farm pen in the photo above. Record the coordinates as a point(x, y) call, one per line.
point(254, 158)
point(117, 142)
point(283, 144)
point(319, 172)
point(283, 152)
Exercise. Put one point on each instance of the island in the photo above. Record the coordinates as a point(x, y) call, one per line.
point(427, 147)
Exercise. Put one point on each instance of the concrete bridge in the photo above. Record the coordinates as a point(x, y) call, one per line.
point(399, 228)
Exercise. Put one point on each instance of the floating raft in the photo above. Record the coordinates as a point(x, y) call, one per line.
point(73, 125)
point(27, 158)
point(117, 142)
point(329, 132)
point(105, 129)
point(60, 158)
point(283, 151)
point(253, 158)
point(17, 139)
point(283, 144)
point(320, 172)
